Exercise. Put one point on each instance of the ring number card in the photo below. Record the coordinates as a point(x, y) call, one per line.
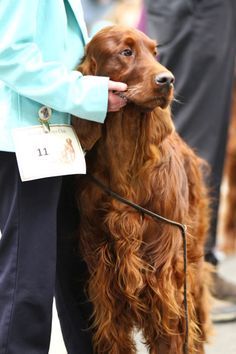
point(42, 154)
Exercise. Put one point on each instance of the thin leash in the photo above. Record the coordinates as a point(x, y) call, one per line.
point(183, 229)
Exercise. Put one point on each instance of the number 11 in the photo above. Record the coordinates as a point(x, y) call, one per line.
point(42, 152)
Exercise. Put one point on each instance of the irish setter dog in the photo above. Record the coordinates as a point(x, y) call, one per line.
point(135, 262)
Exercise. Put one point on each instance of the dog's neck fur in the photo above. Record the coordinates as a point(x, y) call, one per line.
point(131, 142)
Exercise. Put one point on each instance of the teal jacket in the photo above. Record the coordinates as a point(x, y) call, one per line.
point(41, 42)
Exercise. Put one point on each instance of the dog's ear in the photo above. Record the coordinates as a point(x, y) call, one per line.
point(87, 131)
point(88, 66)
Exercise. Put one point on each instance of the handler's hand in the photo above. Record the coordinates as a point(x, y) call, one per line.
point(115, 102)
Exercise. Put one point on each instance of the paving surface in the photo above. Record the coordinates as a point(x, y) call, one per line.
point(223, 342)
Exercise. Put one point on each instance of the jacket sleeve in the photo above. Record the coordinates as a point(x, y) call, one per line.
point(50, 83)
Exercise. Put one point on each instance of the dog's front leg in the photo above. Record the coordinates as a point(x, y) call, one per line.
point(112, 322)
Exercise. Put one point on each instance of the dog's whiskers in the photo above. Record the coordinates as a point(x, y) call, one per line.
point(133, 90)
point(177, 100)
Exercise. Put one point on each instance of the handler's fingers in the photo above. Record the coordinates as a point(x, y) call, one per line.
point(115, 102)
point(116, 86)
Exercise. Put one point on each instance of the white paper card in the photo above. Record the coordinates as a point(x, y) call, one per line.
point(40, 154)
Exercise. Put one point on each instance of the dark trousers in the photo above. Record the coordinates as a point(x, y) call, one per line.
point(30, 220)
point(197, 43)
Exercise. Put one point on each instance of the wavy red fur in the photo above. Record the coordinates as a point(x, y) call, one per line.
point(135, 263)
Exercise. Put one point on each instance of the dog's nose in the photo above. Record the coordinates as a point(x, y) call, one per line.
point(164, 79)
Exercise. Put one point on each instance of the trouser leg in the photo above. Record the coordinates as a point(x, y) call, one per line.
point(73, 307)
point(28, 213)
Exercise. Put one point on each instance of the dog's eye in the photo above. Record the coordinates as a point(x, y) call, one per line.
point(127, 52)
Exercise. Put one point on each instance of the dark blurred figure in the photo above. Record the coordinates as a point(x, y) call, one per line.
point(197, 43)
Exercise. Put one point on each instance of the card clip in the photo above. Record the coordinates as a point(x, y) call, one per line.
point(45, 114)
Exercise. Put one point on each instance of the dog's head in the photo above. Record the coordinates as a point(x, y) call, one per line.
point(126, 54)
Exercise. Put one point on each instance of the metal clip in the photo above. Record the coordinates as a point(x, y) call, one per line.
point(45, 114)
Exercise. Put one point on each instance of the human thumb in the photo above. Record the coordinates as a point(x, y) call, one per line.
point(116, 86)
